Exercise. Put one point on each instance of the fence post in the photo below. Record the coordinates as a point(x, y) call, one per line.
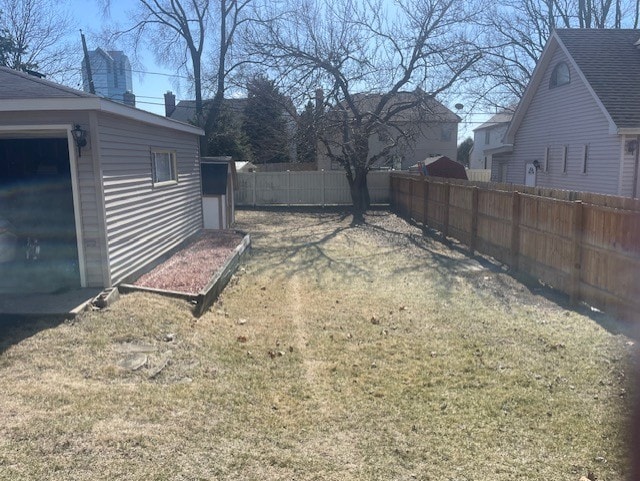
point(254, 188)
point(576, 265)
point(515, 229)
point(425, 220)
point(288, 188)
point(410, 198)
point(474, 220)
point(392, 200)
point(447, 198)
point(323, 183)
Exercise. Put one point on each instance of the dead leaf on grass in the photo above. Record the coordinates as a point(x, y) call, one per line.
point(242, 339)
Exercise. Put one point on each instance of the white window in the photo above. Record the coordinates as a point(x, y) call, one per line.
point(545, 164)
point(164, 166)
point(487, 137)
point(565, 151)
point(585, 158)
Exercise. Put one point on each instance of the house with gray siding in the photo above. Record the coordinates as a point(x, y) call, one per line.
point(487, 140)
point(424, 130)
point(577, 126)
point(92, 213)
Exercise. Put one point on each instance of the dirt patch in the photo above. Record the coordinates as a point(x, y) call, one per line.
point(191, 269)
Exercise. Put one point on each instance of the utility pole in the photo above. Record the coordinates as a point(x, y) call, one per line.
point(92, 89)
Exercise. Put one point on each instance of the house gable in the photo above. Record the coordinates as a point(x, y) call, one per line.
point(552, 120)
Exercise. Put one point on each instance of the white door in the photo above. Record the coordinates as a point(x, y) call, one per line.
point(530, 175)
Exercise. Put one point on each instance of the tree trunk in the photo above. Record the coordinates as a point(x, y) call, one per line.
point(359, 195)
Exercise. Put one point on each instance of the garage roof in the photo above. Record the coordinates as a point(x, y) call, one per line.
point(21, 92)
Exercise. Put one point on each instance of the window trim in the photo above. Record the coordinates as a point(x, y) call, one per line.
point(173, 164)
point(585, 158)
point(554, 81)
point(545, 164)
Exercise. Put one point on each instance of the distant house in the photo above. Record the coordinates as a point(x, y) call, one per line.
point(185, 111)
point(487, 140)
point(90, 213)
point(432, 129)
point(577, 126)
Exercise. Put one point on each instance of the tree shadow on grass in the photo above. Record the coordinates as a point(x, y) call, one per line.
point(306, 251)
point(447, 265)
point(15, 329)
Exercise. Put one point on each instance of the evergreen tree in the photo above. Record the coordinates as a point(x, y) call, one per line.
point(464, 151)
point(265, 122)
point(306, 138)
point(10, 53)
point(227, 137)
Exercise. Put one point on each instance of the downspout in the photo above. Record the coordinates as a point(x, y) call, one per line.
point(635, 168)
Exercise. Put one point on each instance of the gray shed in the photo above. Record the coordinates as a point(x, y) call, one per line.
point(92, 212)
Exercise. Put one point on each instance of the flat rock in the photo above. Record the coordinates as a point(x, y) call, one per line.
point(131, 347)
point(133, 362)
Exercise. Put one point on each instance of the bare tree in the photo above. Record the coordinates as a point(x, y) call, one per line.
point(380, 66)
point(516, 31)
point(40, 31)
point(232, 17)
point(175, 31)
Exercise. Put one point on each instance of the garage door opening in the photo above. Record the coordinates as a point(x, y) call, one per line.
point(38, 246)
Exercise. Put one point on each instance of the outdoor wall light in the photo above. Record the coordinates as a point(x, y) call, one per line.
point(536, 164)
point(80, 136)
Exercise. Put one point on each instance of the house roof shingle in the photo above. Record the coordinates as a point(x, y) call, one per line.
point(610, 61)
point(500, 118)
point(19, 85)
point(27, 93)
point(185, 110)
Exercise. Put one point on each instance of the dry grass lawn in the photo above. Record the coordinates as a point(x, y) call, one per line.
point(336, 353)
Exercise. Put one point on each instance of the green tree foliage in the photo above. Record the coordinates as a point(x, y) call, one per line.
point(227, 136)
point(265, 122)
point(9, 52)
point(464, 151)
point(306, 138)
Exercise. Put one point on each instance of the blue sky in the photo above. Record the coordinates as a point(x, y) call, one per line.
point(149, 87)
point(151, 80)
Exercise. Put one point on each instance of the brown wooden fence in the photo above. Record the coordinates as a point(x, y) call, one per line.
point(585, 245)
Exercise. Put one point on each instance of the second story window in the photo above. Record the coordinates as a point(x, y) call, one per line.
point(560, 75)
point(487, 137)
point(446, 132)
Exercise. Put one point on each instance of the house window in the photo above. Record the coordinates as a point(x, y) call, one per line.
point(560, 75)
point(485, 162)
point(585, 158)
point(545, 164)
point(446, 132)
point(487, 137)
point(565, 151)
point(164, 166)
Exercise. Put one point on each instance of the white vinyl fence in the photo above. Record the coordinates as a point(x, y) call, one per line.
point(305, 188)
point(479, 175)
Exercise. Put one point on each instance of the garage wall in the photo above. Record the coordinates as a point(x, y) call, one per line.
point(91, 232)
point(145, 221)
